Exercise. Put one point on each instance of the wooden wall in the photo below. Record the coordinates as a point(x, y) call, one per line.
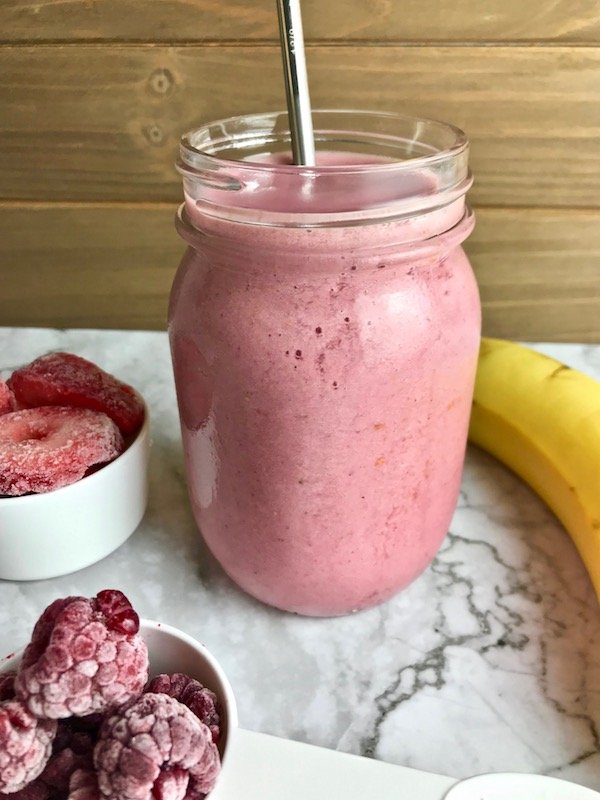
point(95, 93)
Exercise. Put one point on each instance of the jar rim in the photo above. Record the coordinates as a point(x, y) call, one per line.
point(192, 153)
point(373, 166)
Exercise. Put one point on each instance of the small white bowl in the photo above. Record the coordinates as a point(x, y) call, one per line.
point(518, 786)
point(55, 533)
point(170, 650)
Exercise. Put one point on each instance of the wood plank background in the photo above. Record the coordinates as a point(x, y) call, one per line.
point(330, 20)
point(94, 95)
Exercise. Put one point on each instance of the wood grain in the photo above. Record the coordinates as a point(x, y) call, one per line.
point(539, 273)
point(111, 266)
point(102, 122)
point(381, 20)
point(89, 267)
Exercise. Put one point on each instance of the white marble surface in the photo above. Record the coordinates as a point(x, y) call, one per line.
point(490, 661)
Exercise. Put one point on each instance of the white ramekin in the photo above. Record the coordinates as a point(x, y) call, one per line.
point(55, 533)
point(171, 650)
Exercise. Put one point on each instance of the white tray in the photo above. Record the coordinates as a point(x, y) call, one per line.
point(262, 767)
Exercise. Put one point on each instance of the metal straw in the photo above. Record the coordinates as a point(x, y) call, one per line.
point(296, 81)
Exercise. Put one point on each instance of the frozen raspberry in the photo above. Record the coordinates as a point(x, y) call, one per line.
point(36, 790)
point(155, 748)
point(118, 611)
point(64, 379)
point(200, 700)
point(7, 400)
point(72, 750)
point(60, 767)
point(84, 785)
point(7, 685)
point(171, 784)
point(76, 735)
point(201, 785)
point(25, 745)
point(85, 656)
point(193, 793)
point(42, 449)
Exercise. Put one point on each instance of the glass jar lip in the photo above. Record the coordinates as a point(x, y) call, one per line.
point(202, 157)
point(372, 166)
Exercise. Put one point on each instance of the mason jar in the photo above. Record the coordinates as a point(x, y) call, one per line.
point(324, 326)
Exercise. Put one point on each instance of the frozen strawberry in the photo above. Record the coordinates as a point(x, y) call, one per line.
point(7, 400)
point(84, 785)
point(64, 379)
point(85, 656)
point(7, 684)
point(155, 748)
point(200, 700)
point(25, 745)
point(42, 449)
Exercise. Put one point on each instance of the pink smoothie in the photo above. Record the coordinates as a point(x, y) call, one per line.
point(324, 380)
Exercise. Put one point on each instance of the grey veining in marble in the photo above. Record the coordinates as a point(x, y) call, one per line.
point(490, 661)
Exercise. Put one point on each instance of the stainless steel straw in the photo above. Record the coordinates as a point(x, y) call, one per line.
point(296, 81)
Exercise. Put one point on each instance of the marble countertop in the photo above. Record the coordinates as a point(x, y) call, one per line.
point(490, 661)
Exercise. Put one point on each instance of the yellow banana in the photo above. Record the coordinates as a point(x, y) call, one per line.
point(542, 419)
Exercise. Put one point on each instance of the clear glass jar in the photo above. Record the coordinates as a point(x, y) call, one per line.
point(324, 327)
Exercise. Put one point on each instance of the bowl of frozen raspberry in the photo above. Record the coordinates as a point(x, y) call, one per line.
point(101, 705)
point(74, 449)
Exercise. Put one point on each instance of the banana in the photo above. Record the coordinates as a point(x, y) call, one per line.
point(542, 419)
